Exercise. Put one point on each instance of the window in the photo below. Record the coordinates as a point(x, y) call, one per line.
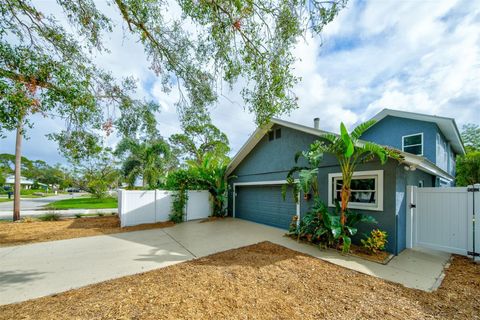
point(278, 133)
point(366, 190)
point(271, 136)
point(413, 143)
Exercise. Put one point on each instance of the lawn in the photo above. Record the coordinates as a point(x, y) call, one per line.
point(17, 233)
point(84, 203)
point(263, 281)
point(5, 199)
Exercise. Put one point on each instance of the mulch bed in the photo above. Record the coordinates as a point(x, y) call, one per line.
point(17, 233)
point(262, 281)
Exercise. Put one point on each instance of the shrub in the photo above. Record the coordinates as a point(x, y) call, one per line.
point(78, 215)
point(322, 227)
point(28, 219)
point(376, 241)
point(178, 206)
point(49, 217)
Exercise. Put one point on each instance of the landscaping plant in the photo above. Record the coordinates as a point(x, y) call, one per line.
point(211, 174)
point(350, 152)
point(320, 226)
point(49, 217)
point(376, 241)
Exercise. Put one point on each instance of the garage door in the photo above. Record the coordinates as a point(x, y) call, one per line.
point(264, 204)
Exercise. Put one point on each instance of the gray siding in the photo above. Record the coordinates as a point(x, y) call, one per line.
point(271, 160)
point(390, 130)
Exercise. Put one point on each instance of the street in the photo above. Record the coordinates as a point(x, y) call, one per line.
point(36, 203)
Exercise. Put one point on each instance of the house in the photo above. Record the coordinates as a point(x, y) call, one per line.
point(24, 182)
point(428, 144)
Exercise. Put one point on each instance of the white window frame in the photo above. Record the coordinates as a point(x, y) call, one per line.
point(375, 174)
point(413, 145)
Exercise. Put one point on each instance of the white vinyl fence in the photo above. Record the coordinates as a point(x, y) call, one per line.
point(149, 206)
point(444, 219)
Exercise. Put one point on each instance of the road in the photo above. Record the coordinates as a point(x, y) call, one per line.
point(36, 203)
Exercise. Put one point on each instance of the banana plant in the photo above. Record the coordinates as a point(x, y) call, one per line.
point(307, 181)
point(350, 151)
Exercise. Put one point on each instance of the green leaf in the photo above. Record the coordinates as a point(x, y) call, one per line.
point(347, 141)
point(347, 242)
point(336, 232)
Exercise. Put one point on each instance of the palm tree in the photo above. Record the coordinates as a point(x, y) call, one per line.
point(211, 173)
point(350, 152)
point(149, 159)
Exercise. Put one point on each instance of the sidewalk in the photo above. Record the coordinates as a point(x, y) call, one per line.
point(64, 213)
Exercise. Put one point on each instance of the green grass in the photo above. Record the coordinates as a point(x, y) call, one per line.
point(84, 203)
point(5, 199)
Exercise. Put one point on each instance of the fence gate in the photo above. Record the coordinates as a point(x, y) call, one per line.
point(444, 219)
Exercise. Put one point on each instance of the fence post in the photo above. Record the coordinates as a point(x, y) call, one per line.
point(410, 206)
point(121, 207)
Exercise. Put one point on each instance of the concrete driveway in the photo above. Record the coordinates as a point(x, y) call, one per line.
point(40, 269)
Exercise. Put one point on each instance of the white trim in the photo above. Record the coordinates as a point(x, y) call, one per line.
point(413, 145)
point(376, 174)
point(264, 183)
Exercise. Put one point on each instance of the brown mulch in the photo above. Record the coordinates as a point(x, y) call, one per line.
point(380, 257)
point(262, 281)
point(17, 233)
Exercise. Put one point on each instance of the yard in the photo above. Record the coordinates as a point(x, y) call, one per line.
point(260, 281)
point(84, 203)
point(17, 233)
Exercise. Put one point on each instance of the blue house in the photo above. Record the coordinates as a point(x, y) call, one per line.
point(428, 144)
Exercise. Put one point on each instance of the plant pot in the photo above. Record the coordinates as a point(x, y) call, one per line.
point(307, 196)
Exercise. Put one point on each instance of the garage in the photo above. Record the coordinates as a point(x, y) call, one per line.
point(264, 204)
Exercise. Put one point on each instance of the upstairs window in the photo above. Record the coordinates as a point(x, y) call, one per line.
point(413, 144)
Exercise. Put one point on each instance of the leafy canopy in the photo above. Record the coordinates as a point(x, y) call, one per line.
point(46, 68)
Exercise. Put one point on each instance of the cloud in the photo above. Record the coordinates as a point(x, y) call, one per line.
point(421, 56)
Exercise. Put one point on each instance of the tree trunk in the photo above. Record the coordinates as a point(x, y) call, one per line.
point(345, 196)
point(18, 172)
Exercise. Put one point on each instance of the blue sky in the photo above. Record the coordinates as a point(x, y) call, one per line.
point(421, 56)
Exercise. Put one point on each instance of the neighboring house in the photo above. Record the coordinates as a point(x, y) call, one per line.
point(24, 182)
point(259, 169)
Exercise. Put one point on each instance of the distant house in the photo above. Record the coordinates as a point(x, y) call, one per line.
point(24, 182)
point(429, 145)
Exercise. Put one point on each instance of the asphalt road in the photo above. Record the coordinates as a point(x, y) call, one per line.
point(36, 203)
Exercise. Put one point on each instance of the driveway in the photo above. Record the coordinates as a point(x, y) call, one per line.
point(36, 270)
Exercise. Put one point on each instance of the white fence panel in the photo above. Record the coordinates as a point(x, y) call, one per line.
point(149, 206)
point(137, 207)
point(198, 205)
point(163, 205)
point(442, 219)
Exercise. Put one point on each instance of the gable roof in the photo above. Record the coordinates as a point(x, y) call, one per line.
point(409, 159)
point(446, 125)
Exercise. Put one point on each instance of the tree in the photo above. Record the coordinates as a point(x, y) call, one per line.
point(471, 137)
point(199, 138)
point(45, 69)
point(468, 169)
point(468, 165)
point(149, 159)
point(350, 152)
point(98, 174)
